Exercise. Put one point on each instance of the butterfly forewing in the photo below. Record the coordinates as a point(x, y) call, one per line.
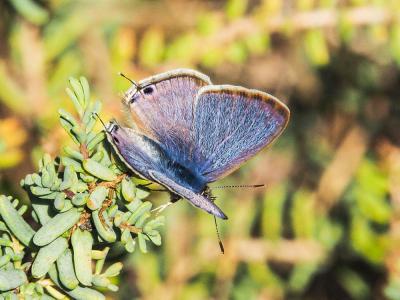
point(163, 108)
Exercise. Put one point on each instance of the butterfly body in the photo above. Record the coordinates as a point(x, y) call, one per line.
point(186, 132)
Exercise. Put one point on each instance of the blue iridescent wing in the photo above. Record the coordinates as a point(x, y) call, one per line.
point(163, 107)
point(187, 132)
point(232, 124)
point(197, 200)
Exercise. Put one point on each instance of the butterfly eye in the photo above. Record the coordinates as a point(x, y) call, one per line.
point(148, 90)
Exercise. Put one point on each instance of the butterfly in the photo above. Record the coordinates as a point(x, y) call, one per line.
point(185, 132)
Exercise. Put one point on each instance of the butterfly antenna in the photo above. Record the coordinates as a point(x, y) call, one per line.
point(130, 80)
point(238, 186)
point(221, 245)
point(101, 121)
point(137, 86)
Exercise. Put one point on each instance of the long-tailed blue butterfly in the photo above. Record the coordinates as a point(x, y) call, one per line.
point(186, 132)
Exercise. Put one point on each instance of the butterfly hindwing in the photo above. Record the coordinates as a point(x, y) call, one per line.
point(138, 152)
point(231, 125)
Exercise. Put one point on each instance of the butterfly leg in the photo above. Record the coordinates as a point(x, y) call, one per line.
point(160, 208)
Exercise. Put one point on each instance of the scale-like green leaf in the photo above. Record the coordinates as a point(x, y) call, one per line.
point(56, 227)
point(66, 270)
point(47, 256)
point(82, 242)
point(14, 221)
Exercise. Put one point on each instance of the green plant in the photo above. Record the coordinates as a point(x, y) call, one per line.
point(85, 206)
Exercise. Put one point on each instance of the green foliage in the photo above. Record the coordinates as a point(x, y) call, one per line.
point(31, 11)
point(369, 193)
point(324, 226)
point(85, 204)
point(316, 47)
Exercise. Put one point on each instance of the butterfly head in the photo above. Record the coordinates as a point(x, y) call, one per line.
point(138, 91)
point(113, 130)
point(111, 126)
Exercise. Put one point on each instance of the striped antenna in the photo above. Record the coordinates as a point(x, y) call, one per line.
point(101, 121)
point(221, 245)
point(130, 80)
point(237, 186)
point(137, 86)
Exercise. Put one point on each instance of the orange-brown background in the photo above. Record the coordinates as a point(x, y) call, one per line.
point(326, 226)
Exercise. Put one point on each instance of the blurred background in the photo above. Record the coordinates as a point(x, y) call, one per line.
point(327, 224)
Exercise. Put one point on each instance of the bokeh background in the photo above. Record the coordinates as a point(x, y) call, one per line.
point(327, 224)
